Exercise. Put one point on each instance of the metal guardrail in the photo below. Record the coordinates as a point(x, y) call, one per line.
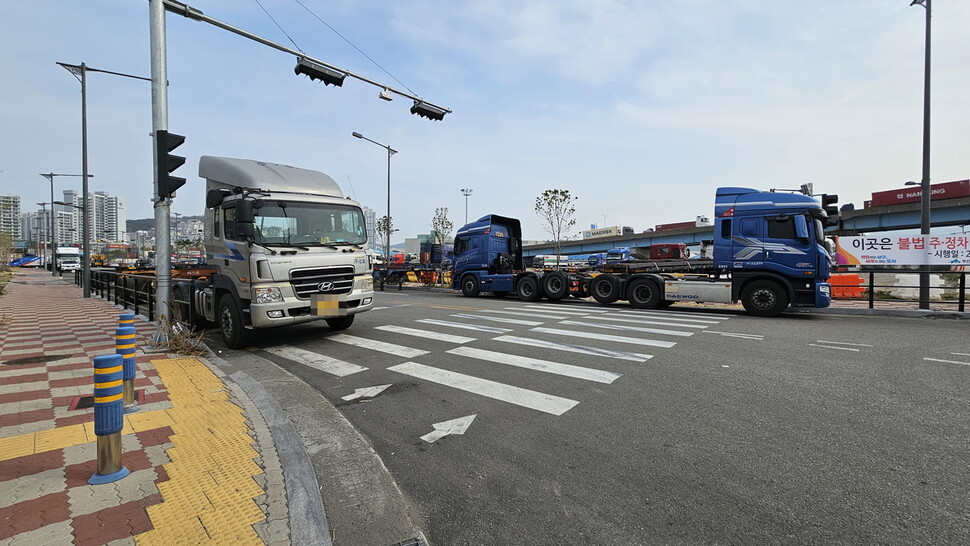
point(137, 293)
point(871, 290)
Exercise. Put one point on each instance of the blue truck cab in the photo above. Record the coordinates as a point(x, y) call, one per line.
point(488, 256)
point(773, 237)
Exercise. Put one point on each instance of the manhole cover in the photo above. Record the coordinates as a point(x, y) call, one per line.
point(35, 360)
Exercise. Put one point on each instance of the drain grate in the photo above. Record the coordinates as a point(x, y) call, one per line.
point(87, 402)
point(34, 360)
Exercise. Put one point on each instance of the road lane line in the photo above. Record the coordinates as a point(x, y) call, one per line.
point(628, 328)
point(843, 343)
point(525, 314)
point(657, 322)
point(605, 337)
point(581, 349)
point(753, 337)
point(425, 334)
point(476, 327)
point(374, 345)
point(831, 347)
point(498, 319)
point(549, 306)
point(946, 361)
point(685, 314)
point(550, 309)
point(578, 372)
point(316, 361)
point(491, 389)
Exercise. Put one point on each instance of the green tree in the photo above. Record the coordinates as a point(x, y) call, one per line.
point(556, 208)
point(440, 230)
point(384, 228)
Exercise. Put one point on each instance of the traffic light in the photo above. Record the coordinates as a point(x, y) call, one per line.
point(425, 110)
point(829, 201)
point(316, 71)
point(165, 142)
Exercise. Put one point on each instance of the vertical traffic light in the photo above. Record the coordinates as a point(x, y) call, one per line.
point(165, 142)
point(829, 201)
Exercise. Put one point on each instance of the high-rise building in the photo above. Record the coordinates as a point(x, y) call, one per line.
point(108, 218)
point(370, 218)
point(10, 216)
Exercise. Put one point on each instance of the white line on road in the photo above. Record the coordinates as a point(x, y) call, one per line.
point(753, 337)
point(549, 309)
point(476, 327)
point(316, 361)
point(843, 343)
point(589, 307)
point(581, 349)
point(389, 348)
point(491, 389)
point(605, 337)
point(498, 319)
point(961, 354)
point(831, 347)
point(526, 315)
point(557, 368)
point(628, 328)
point(425, 334)
point(658, 322)
point(947, 361)
point(672, 314)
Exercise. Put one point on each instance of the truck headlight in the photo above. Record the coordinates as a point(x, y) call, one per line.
point(269, 295)
point(366, 283)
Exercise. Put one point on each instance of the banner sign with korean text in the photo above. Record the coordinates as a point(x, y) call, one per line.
point(911, 250)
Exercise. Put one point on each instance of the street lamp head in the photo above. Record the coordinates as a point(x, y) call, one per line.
point(911, 183)
point(920, 2)
point(357, 135)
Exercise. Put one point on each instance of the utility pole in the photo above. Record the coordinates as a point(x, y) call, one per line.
point(163, 246)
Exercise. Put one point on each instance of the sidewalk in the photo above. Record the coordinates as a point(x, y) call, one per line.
point(204, 467)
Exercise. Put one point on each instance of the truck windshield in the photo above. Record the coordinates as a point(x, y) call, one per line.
point(309, 224)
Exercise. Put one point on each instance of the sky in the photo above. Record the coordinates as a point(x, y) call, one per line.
point(641, 109)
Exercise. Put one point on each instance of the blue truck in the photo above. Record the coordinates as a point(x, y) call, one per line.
point(769, 253)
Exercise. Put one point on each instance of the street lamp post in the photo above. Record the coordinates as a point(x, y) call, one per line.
point(50, 177)
point(466, 192)
point(924, 276)
point(80, 72)
point(387, 240)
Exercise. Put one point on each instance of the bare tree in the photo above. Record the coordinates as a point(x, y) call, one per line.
point(556, 208)
point(440, 230)
point(384, 229)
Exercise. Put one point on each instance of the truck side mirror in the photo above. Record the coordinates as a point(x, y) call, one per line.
point(245, 212)
point(214, 198)
point(246, 230)
point(801, 227)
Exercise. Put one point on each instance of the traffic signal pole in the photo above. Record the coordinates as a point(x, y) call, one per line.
point(163, 204)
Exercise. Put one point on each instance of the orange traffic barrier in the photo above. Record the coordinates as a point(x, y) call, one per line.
point(846, 286)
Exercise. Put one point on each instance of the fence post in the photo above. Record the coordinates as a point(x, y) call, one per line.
point(108, 418)
point(963, 291)
point(872, 289)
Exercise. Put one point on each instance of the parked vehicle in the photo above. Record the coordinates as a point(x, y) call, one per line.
point(68, 258)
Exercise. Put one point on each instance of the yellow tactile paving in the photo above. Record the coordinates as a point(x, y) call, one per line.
point(16, 446)
point(57, 438)
point(209, 494)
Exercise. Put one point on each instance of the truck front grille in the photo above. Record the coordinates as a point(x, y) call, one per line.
point(308, 281)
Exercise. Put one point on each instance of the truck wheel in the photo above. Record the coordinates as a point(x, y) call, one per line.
point(469, 286)
point(500, 293)
point(529, 289)
point(605, 288)
point(555, 285)
point(230, 323)
point(643, 294)
point(180, 306)
point(340, 323)
point(764, 299)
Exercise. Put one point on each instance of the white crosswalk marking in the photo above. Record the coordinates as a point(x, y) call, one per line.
point(316, 361)
point(581, 349)
point(492, 389)
point(498, 319)
point(425, 334)
point(584, 307)
point(525, 314)
point(548, 309)
point(685, 314)
point(605, 337)
point(389, 348)
point(629, 328)
point(557, 368)
point(753, 337)
point(677, 323)
point(463, 326)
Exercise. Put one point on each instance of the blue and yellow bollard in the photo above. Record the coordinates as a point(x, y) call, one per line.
point(109, 418)
point(126, 320)
point(125, 346)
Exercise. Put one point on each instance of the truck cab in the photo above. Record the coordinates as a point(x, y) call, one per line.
point(488, 252)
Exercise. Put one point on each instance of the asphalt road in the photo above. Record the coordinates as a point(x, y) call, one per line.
point(701, 427)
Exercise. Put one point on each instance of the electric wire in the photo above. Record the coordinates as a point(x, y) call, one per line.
point(279, 27)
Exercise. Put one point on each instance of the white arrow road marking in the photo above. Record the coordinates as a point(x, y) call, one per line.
point(581, 349)
point(316, 361)
point(628, 328)
point(557, 368)
point(491, 389)
point(389, 348)
point(946, 361)
point(606, 337)
point(499, 319)
point(366, 392)
point(446, 428)
point(425, 334)
point(477, 327)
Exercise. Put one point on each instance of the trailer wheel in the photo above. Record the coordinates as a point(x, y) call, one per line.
point(230, 323)
point(469, 286)
point(764, 299)
point(181, 307)
point(340, 323)
point(529, 289)
point(643, 294)
point(605, 288)
point(555, 285)
point(500, 293)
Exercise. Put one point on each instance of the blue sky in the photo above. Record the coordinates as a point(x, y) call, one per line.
point(639, 108)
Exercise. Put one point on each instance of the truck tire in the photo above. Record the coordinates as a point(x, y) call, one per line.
point(605, 288)
point(230, 323)
point(340, 323)
point(764, 298)
point(181, 293)
point(469, 286)
point(555, 285)
point(643, 294)
point(528, 289)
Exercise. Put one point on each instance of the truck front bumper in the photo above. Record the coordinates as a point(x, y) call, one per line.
point(294, 310)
